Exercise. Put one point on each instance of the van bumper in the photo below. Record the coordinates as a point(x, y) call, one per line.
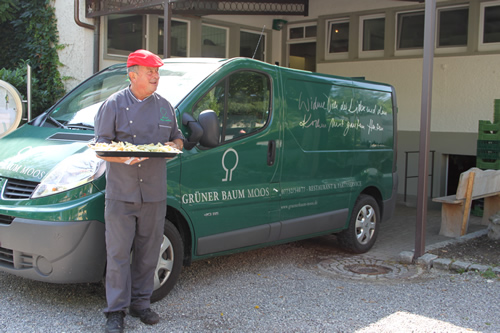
point(56, 252)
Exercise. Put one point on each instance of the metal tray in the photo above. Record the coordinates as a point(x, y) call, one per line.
point(111, 153)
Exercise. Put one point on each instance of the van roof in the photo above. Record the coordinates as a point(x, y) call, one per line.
point(355, 81)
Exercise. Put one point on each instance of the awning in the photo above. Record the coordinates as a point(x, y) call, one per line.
point(96, 8)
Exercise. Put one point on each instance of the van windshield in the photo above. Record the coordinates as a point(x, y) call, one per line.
point(78, 108)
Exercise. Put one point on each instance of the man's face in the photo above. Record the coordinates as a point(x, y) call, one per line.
point(145, 81)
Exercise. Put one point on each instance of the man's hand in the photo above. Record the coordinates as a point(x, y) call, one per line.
point(177, 143)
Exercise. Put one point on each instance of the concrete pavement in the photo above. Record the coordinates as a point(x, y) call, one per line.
point(398, 234)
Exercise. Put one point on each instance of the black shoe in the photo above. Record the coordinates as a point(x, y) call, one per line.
point(147, 316)
point(115, 322)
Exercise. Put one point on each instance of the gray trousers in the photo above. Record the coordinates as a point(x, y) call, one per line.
point(136, 227)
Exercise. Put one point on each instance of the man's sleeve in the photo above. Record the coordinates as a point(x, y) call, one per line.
point(176, 132)
point(104, 123)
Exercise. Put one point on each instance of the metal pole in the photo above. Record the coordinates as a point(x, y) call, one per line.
point(425, 116)
point(432, 174)
point(406, 173)
point(28, 90)
point(97, 32)
point(167, 17)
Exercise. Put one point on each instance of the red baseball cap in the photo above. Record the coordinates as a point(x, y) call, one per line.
point(144, 58)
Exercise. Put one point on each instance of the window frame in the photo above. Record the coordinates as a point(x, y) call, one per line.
point(125, 53)
point(188, 37)
point(481, 45)
point(454, 48)
point(226, 29)
point(263, 42)
point(336, 55)
point(361, 36)
point(226, 86)
point(406, 51)
point(303, 39)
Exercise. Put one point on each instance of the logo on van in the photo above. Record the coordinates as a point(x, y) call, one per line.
point(24, 150)
point(227, 165)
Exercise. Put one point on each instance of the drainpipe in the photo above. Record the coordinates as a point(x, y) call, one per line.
point(94, 27)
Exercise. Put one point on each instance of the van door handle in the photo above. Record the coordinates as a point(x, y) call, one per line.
point(271, 152)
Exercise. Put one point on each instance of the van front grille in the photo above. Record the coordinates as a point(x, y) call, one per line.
point(15, 259)
point(6, 257)
point(6, 219)
point(16, 189)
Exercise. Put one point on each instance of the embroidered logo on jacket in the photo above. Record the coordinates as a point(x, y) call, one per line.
point(164, 115)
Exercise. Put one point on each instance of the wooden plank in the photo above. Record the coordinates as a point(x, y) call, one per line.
point(468, 201)
point(491, 207)
point(486, 183)
point(452, 199)
point(450, 215)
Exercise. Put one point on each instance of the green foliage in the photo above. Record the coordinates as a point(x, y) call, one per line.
point(18, 78)
point(31, 37)
point(8, 9)
point(489, 274)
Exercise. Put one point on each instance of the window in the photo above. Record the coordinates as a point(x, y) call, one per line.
point(125, 34)
point(338, 38)
point(178, 38)
point(490, 26)
point(372, 38)
point(82, 104)
point(301, 32)
point(252, 45)
point(213, 41)
point(301, 46)
point(410, 30)
point(452, 28)
point(241, 102)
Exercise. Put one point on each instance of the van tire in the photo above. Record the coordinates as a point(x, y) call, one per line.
point(363, 228)
point(169, 264)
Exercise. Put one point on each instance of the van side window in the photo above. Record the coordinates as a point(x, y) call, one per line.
point(241, 102)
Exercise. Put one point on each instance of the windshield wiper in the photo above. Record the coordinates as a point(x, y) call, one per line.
point(80, 126)
point(55, 121)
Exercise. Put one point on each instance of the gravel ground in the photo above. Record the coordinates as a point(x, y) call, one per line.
point(276, 289)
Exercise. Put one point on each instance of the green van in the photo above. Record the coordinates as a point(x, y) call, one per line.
point(272, 155)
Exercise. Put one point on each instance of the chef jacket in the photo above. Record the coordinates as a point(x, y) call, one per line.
point(124, 118)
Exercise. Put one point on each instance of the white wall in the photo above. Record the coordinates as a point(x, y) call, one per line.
point(464, 88)
point(77, 55)
point(325, 7)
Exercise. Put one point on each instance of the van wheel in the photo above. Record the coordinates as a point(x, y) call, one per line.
point(169, 264)
point(362, 232)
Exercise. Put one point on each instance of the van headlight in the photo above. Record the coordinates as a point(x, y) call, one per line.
point(74, 171)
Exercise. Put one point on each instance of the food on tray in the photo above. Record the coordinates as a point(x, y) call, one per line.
point(126, 146)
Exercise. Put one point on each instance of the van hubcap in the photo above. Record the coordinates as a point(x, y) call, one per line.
point(365, 224)
point(165, 263)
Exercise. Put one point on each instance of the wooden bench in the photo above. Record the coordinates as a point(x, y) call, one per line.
point(473, 184)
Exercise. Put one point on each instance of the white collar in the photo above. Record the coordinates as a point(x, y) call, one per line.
point(138, 100)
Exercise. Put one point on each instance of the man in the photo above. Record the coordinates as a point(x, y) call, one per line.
point(136, 189)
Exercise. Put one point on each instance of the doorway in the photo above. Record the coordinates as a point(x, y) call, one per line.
point(456, 165)
point(302, 56)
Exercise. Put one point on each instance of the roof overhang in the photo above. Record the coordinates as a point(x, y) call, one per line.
point(197, 7)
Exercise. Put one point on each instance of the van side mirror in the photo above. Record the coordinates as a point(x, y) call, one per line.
point(211, 129)
point(196, 131)
point(205, 131)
